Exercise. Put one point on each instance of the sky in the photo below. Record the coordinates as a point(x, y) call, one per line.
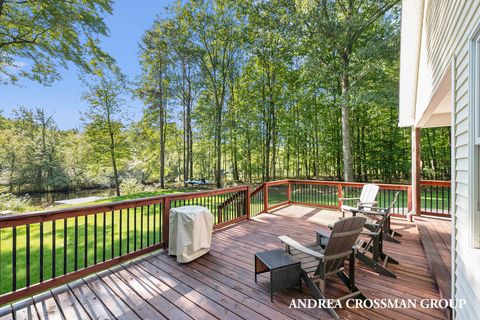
point(63, 98)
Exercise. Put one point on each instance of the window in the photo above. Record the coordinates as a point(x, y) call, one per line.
point(475, 85)
point(474, 163)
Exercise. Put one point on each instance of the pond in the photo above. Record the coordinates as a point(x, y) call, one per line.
point(49, 198)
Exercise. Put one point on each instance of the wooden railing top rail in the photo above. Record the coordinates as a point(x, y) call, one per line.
point(257, 190)
point(277, 182)
point(436, 183)
point(43, 216)
point(351, 184)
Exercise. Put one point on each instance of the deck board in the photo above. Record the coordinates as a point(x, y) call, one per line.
point(435, 236)
point(220, 285)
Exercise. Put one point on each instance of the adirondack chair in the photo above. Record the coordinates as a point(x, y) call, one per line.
point(320, 263)
point(365, 202)
point(366, 199)
point(376, 225)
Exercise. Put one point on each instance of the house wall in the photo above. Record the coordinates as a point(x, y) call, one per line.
point(446, 31)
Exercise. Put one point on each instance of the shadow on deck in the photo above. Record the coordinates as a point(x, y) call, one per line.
point(220, 285)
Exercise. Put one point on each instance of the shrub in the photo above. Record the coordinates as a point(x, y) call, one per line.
point(131, 186)
point(11, 202)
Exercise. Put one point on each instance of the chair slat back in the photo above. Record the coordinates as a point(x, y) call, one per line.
point(344, 235)
point(369, 193)
point(380, 221)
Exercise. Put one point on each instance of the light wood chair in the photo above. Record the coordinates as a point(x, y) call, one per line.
point(366, 199)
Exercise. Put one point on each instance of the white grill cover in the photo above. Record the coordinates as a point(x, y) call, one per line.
point(190, 232)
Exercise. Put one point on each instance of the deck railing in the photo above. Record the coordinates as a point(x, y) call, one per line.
point(435, 198)
point(42, 250)
point(435, 195)
point(39, 251)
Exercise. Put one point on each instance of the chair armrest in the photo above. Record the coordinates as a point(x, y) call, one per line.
point(372, 212)
point(371, 224)
point(378, 208)
point(348, 199)
point(323, 233)
point(370, 233)
point(292, 243)
point(323, 237)
point(367, 203)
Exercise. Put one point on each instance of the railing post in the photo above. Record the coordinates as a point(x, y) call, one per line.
point(289, 191)
point(409, 199)
point(166, 220)
point(265, 197)
point(220, 215)
point(248, 202)
point(339, 195)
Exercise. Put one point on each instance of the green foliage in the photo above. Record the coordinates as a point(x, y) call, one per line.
point(104, 126)
point(38, 37)
point(10, 202)
point(131, 186)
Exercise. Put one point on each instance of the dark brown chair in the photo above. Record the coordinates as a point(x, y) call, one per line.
point(371, 252)
point(320, 263)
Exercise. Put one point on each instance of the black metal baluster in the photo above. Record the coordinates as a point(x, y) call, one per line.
point(120, 234)
point(41, 252)
point(436, 194)
point(113, 235)
point(160, 222)
point(76, 245)
point(54, 249)
point(141, 227)
point(128, 230)
point(14, 259)
point(148, 225)
point(104, 236)
point(85, 241)
point(65, 246)
point(425, 198)
point(95, 236)
point(27, 255)
point(431, 198)
point(135, 229)
point(448, 201)
point(154, 224)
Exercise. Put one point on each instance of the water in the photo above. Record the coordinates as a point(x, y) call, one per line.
point(48, 198)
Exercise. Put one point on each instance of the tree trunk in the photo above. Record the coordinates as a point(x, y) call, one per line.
point(346, 139)
point(115, 172)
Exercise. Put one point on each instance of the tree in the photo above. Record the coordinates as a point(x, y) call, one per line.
point(215, 29)
point(104, 127)
point(48, 34)
point(185, 81)
point(154, 85)
point(332, 30)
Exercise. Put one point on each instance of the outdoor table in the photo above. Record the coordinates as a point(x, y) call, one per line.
point(285, 269)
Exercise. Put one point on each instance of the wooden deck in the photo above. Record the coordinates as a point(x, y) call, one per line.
point(436, 240)
point(221, 284)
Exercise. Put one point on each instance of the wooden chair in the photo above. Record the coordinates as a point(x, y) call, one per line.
point(377, 221)
point(366, 199)
point(365, 203)
point(320, 263)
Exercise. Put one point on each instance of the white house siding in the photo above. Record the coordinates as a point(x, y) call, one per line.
point(447, 27)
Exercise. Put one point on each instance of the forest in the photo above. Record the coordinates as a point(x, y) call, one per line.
point(237, 91)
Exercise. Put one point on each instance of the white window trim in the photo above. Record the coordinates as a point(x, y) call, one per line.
point(475, 73)
point(474, 145)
